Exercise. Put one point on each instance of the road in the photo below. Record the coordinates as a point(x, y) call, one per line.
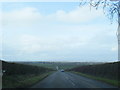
point(69, 80)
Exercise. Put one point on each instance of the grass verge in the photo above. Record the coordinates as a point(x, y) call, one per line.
point(22, 81)
point(109, 81)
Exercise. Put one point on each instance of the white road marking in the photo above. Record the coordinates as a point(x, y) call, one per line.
point(73, 84)
point(66, 77)
point(71, 81)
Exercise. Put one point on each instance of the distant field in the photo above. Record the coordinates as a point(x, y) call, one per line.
point(60, 65)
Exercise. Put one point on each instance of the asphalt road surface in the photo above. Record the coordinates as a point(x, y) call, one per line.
point(69, 80)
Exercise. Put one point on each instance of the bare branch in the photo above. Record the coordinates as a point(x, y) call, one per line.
point(110, 8)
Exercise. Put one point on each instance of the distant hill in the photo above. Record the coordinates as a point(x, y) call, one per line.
point(61, 65)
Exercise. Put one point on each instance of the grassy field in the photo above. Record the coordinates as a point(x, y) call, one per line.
point(20, 75)
point(21, 69)
point(61, 65)
point(22, 81)
point(107, 72)
point(106, 80)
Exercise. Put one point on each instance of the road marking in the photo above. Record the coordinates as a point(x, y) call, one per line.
point(73, 84)
point(66, 77)
point(70, 81)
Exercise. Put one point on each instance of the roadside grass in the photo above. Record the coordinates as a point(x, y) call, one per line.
point(109, 81)
point(22, 81)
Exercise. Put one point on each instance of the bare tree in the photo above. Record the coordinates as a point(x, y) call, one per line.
point(111, 8)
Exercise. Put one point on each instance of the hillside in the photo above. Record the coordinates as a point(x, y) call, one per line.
point(15, 68)
point(19, 75)
point(106, 70)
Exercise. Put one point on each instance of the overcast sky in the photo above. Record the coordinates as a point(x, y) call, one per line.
point(56, 32)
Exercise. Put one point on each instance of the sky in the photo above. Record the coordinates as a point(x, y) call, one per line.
point(56, 31)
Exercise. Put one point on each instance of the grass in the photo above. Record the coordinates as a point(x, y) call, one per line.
point(61, 65)
point(22, 81)
point(53, 66)
point(109, 81)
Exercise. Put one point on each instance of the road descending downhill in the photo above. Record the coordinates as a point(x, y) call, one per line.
point(69, 80)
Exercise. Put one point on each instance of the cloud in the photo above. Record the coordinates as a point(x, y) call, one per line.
point(34, 44)
point(115, 48)
point(31, 15)
point(78, 15)
point(22, 17)
point(32, 33)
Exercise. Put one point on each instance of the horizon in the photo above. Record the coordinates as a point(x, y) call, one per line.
point(63, 61)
